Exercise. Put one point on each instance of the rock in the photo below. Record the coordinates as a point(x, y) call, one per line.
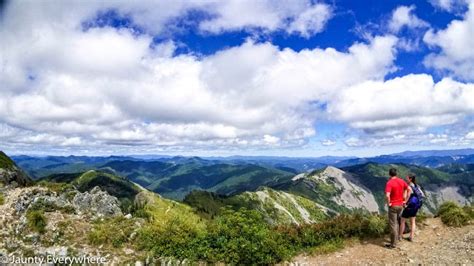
point(97, 202)
point(128, 251)
point(128, 216)
point(14, 177)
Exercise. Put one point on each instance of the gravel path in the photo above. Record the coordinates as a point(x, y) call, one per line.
point(435, 243)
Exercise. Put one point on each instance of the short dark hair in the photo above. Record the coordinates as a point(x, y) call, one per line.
point(392, 172)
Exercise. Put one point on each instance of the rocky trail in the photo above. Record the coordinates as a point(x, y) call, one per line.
point(434, 243)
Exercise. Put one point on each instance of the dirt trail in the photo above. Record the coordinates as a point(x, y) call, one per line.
point(435, 243)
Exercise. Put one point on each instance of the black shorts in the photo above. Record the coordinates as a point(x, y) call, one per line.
point(409, 212)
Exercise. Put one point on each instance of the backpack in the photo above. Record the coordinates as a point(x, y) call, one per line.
point(416, 198)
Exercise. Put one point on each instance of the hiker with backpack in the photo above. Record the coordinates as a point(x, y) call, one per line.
point(412, 205)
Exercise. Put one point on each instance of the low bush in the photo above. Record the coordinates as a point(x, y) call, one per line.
point(36, 221)
point(244, 237)
point(469, 209)
point(138, 209)
point(452, 214)
point(446, 206)
point(2, 199)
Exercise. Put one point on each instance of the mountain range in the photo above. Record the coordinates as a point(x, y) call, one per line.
point(128, 207)
point(338, 184)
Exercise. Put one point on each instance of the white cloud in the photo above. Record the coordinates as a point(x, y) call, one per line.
point(311, 21)
point(403, 17)
point(112, 89)
point(449, 5)
point(271, 139)
point(300, 16)
point(328, 142)
point(163, 17)
point(456, 42)
point(411, 103)
point(470, 135)
point(107, 86)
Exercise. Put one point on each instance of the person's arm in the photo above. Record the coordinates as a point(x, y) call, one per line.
point(388, 189)
point(406, 194)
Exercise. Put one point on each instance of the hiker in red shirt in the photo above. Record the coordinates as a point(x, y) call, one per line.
point(396, 192)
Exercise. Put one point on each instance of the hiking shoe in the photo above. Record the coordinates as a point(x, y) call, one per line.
point(389, 246)
point(409, 239)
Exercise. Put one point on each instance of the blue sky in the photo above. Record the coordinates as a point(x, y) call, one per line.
point(289, 78)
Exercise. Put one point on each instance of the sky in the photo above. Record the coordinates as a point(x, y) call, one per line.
point(237, 77)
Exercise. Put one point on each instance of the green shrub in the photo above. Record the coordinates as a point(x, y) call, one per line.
point(243, 237)
point(446, 206)
point(469, 209)
point(376, 225)
point(2, 199)
point(115, 231)
point(329, 246)
point(173, 239)
point(452, 214)
point(138, 209)
point(36, 221)
point(455, 217)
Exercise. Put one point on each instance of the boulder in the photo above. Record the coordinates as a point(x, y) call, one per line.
point(97, 202)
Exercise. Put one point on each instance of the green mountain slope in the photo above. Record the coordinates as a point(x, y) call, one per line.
point(175, 181)
point(277, 207)
point(114, 185)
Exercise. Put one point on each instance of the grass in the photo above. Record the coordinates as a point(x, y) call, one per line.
point(2, 199)
point(114, 231)
point(452, 214)
point(36, 221)
point(5, 161)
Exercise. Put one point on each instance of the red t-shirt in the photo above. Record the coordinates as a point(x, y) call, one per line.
point(396, 186)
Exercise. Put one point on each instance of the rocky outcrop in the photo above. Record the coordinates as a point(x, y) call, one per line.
point(14, 177)
point(97, 202)
point(339, 187)
point(279, 207)
point(10, 174)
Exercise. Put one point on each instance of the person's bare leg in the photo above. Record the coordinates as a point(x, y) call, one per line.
point(402, 227)
point(413, 224)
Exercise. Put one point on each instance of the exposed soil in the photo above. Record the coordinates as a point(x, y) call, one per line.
point(434, 243)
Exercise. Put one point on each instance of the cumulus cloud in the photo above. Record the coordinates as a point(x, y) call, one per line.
point(456, 55)
point(112, 86)
point(301, 16)
point(404, 17)
point(311, 21)
point(103, 88)
point(410, 103)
